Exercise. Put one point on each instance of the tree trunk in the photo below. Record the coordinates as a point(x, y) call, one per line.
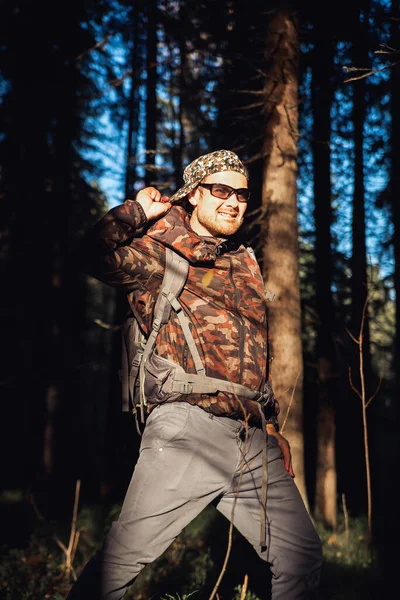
point(178, 155)
point(280, 227)
point(151, 92)
point(133, 107)
point(388, 535)
point(322, 92)
point(395, 181)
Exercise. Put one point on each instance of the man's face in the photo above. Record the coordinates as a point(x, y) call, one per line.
point(213, 216)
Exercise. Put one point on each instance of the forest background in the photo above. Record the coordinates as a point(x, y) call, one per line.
point(100, 98)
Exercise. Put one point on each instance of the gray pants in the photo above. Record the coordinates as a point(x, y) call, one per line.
point(188, 459)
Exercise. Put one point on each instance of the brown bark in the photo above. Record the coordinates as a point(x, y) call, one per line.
point(151, 92)
point(280, 227)
point(179, 154)
point(133, 108)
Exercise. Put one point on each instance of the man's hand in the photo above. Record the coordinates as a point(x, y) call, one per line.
point(153, 204)
point(284, 447)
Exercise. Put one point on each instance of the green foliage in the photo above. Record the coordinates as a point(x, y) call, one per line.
point(350, 569)
point(185, 570)
point(249, 595)
point(33, 573)
point(347, 547)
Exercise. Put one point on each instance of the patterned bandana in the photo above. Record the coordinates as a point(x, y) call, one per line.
point(215, 162)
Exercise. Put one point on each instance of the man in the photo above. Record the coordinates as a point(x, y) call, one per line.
point(200, 448)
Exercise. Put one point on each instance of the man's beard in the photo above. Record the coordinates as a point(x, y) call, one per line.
point(218, 225)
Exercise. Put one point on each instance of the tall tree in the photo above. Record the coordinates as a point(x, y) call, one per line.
point(135, 45)
point(280, 228)
point(395, 177)
point(322, 93)
point(151, 91)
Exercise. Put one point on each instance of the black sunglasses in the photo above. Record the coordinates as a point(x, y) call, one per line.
point(222, 191)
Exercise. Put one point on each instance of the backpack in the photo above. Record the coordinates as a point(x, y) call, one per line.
point(146, 376)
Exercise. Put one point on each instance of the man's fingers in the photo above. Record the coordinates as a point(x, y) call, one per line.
point(287, 462)
point(154, 193)
point(158, 209)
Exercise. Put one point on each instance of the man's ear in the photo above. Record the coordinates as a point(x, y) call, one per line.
point(192, 197)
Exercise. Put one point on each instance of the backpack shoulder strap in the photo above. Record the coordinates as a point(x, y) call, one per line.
point(175, 275)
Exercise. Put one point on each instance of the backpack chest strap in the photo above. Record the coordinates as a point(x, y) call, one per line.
point(187, 383)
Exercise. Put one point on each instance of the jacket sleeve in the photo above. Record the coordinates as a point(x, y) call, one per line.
point(107, 252)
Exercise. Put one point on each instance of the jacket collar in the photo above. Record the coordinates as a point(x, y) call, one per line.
point(173, 230)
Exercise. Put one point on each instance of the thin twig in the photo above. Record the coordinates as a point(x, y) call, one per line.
point(362, 395)
point(290, 403)
point(371, 72)
point(74, 534)
point(353, 386)
point(41, 518)
point(99, 44)
point(282, 394)
point(244, 587)
point(72, 544)
point(346, 518)
point(355, 340)
point(375, 393)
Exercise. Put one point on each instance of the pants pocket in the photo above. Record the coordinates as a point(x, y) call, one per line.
point(166, 424)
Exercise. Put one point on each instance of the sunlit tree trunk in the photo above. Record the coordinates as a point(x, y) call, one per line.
point(280, 227)
point(133, 103)
point(151, 91)
point(322, 91)
point(180, 150)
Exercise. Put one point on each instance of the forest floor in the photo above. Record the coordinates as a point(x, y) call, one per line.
point(33, 559)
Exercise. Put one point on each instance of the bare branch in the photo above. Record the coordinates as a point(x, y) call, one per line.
point(283, 393)
point(290, 403)
point(106, 325)
point(375, 393)
point(346, 517)
point(72, 544)
point(361, 394)
point(357, 341)
point(99, 44)
point(371, 72)
point(389, 50)
point(41, 518)
point(352, 386)
point(244, 587)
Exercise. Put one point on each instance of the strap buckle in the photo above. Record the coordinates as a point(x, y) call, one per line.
point(186, 387)
point(137, 359)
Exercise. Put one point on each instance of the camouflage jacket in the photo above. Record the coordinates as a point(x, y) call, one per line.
point(223, 297)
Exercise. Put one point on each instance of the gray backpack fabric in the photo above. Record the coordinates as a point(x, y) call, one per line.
point(137, 350)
